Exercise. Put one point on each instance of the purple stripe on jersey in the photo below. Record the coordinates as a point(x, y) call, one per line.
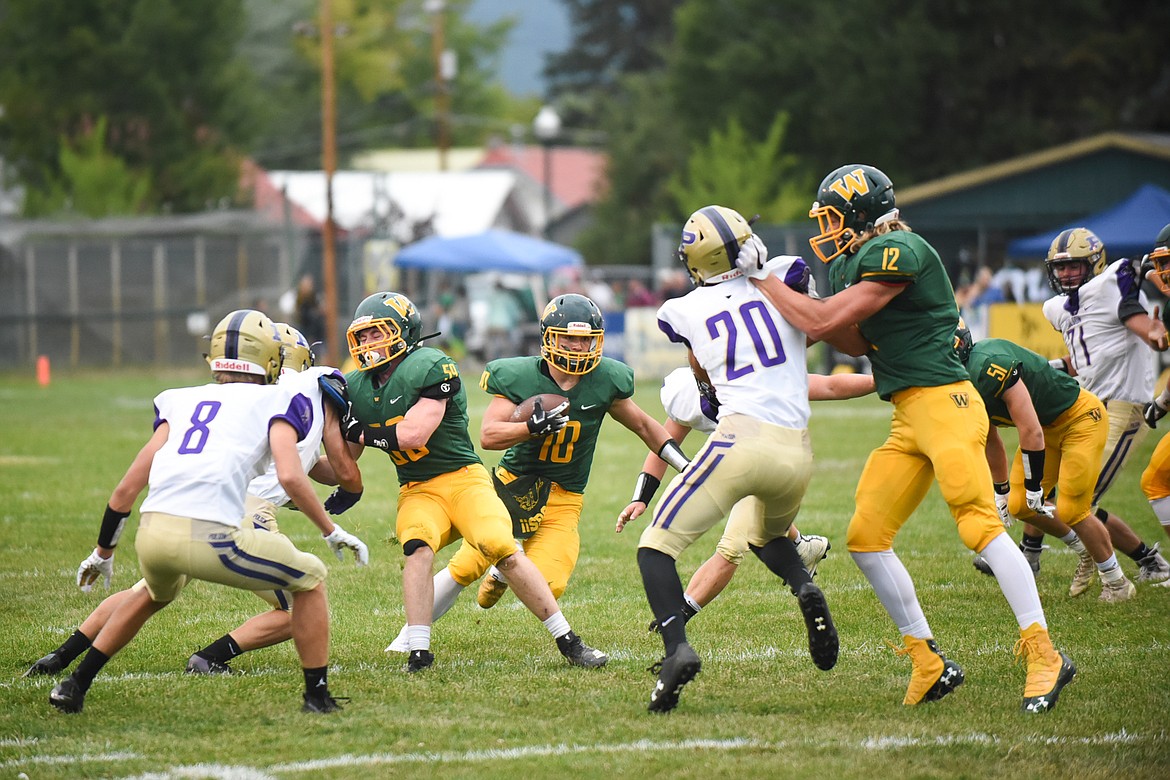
point(709, 410)
point(282, 600)
point(1127, 281)
point(236, 551)
point(664, 326)
point(251, 573)
point(1113, 464)
point(701, 468)
point(157, 420)
point(299, 415)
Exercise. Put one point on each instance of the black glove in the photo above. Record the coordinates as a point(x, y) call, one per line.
point(351, 427)
point(1153, 412)
point(341, 500)
point(542, 422)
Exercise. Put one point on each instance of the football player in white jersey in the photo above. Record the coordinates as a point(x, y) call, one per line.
point(209, 443)
point(755, 361)
point(265, 494)
point(690, 407)
point(1102, 313)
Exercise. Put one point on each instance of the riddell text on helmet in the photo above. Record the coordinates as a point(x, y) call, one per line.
point(225, 364)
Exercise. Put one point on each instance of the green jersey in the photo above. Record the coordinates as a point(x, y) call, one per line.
point(566, 456)
point(996, 364)
point(912, 336)
point(424, 372)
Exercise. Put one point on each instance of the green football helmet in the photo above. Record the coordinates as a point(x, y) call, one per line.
point(246, 342)
point(963, 341)
point(397, 327)
point(298, 355)
point(1159, 257)
point(850, 201)
point(711, 239)
point(1075, 257)
point(572, 317)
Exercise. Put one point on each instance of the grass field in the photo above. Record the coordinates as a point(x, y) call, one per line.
point(500, 701)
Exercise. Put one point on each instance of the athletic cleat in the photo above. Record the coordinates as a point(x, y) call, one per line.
point(49, 664)
point(933, 676)
point(1153, 568)
point(490, 591)
point(674, 672)
point(1083, 576)
point(982, 566)
point(1048, 670)
point(1033, 558)
point(197, 664)
point(1116, 592)
point(574, 649)
point(822, 634)
point(321, 703)
point(419, 660)
point(812, 549)
point(67, 696)
point(1162, 584)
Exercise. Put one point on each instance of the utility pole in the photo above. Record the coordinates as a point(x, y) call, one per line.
point(329, 163)
point(444, 71)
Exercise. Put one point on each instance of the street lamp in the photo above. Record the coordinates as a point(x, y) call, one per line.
point(547, 126)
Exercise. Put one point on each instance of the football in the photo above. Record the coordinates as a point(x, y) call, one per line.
point(547, 401)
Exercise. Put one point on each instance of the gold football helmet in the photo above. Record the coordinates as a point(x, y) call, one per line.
point(711, 240)
point(298, 355)
point(1075, 257)
point(246, 342)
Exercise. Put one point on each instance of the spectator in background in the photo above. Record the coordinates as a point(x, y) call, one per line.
point(637, 294)
point(310, 319)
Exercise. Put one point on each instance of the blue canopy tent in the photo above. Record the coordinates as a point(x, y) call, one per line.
point(1128, 228)
point(493, 250)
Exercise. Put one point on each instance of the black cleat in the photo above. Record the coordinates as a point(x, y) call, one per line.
point(674, 672)
point(577, 653)
point(67, 696)
point(197, 664)
point(419, 660)
point(822, 634)
point(49, 664)
point(321, 703)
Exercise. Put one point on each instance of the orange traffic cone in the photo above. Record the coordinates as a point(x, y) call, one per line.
point(44, 373)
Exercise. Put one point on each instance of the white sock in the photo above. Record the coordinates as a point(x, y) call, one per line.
point(1074, 543)
point(895, 590)
point(446, 591)
point(557, 625)
point(693, 604)
point(1161, 507)
point(497, 575)
point(418, 637)
point(1015, 579)
point(1110, 569)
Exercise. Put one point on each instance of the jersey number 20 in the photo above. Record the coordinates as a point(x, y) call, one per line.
point(752, 315)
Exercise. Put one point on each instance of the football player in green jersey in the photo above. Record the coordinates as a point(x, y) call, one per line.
point(408, 401)
point(1055, 415)
point(542, 476)
point(892, 302)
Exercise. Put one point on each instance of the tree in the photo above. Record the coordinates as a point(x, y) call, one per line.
point(176, 99)
point(726, 170)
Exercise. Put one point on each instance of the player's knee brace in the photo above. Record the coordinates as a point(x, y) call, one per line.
point(1102, 514)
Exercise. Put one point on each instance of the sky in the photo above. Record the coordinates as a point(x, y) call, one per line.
point(543, 26)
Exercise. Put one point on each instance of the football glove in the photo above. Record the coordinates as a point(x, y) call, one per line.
point(1152, 412)
point(93, 567)
point(1035, 501)
point(341, 540)
point(341, 500)
point(1001, 504)
point(543, 422)
point(752, 258)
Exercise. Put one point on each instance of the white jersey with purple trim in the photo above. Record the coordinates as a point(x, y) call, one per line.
point(267, 486)
point(683, 403)
point(753, 357)
point(1112, 362)
point(217, 444)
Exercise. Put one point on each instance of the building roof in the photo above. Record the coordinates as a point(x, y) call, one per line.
point(576, 175)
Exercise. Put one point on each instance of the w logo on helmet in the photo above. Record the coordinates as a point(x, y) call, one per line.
point(400, 304)
point(851, 185)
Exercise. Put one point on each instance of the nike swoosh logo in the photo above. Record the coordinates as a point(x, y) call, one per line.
point(590, 406)
point(395, 399)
